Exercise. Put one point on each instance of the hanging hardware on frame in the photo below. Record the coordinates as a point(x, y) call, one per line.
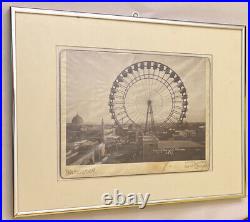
point(135, 14)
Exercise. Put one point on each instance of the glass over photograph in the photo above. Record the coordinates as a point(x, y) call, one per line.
point(133, 112)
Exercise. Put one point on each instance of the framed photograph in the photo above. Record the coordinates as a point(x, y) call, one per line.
point(105, 103)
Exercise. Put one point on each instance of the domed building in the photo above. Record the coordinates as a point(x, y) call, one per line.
point(77, 120)
point(75, 129)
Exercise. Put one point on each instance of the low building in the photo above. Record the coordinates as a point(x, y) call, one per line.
point(176, 150)
point(184, 134)
point(86, 152)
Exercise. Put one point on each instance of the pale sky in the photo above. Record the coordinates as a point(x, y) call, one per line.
point(90, 75)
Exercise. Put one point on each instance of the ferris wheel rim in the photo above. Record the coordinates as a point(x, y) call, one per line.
point(141, 66)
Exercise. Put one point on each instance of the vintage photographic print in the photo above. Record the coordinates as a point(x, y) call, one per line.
point(132, 112)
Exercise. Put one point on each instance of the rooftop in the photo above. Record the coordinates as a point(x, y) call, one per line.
point(178, 144)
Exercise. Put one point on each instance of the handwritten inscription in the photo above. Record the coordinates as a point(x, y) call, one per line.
point(196, 165)
point(88, 171)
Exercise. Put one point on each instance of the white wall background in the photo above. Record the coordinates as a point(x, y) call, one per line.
point(228, 13)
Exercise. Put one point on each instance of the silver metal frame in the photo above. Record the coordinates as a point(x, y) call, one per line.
point(242, 28)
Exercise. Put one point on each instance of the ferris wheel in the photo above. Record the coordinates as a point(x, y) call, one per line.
point(148, 94)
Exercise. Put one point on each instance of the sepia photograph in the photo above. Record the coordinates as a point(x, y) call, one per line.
point(131, 110)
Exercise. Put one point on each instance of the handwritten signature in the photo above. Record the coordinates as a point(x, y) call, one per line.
point(196, 164)
point(87, 171)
